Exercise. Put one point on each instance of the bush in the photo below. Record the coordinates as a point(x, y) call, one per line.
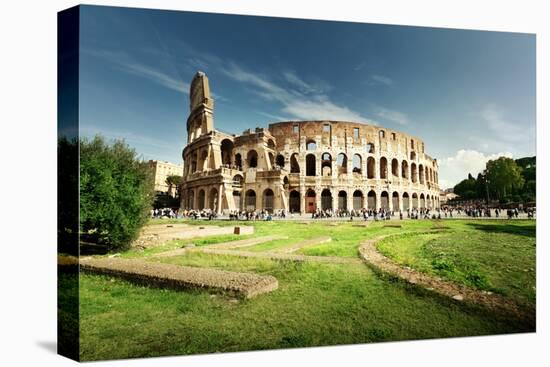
point(116, 192)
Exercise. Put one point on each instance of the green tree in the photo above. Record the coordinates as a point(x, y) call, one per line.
point(173, 181)
point(504, 176)
point(116, 192)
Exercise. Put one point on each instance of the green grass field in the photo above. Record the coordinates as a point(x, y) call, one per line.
point(316, 303)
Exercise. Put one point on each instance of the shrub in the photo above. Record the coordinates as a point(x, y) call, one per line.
point(116, 192)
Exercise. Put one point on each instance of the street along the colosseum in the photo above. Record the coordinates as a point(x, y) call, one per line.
point(302, 166)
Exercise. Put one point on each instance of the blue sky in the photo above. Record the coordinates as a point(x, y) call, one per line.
point(470, 95)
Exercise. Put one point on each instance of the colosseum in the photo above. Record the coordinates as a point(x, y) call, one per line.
point(302, 166)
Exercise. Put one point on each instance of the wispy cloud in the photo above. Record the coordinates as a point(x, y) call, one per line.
point(392, 115)
point(317, 87)
point(273, 117)
point(380, 79)
point(456, 168)
point(126, 63)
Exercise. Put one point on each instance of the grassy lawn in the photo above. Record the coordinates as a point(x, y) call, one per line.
point(316, 303)
point(491, 256)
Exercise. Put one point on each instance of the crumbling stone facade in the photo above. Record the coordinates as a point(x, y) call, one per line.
point(301, 166)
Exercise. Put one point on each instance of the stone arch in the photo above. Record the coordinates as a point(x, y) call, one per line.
point(294, 165)
point(370, 148)
point(311, 201)
point(311, 144)
point(395, 167)
point(422, 201)
point(414, 200)
point(383, 168)
point(237, 199)
point(250, 200)
point(310, 164)
point(326, 199)
point(201, 198)
point(238, 181)
point(326, 164)
point(294, 201)
point(271, 144)
point(371, 172)
point(421, 174)
point(203, 161)
point(406, 201)
point(357, 200)
point(342, 163)
point(413, 156)
point(342, 200)
point(371, 200)
point(268, 200)
point(384, 200)
point(213, 199)
point(194, 162)
point(226, 150)
point(357, 162)
point(404, 169)
point(395, 201)
point(414, 175)
point(280, 160)
point(252, 159)
point(191, 200)
point(271, 159)
point(238, 161)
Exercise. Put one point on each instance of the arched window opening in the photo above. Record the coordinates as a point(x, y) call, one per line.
point(294, 166)
point(252, 159)
point(342, 163)
point(371, 167)
point(356, 162)
point(383, 168)
point(310, 165)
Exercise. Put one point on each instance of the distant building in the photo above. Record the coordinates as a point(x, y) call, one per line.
point(161, 170)
point(445, 196)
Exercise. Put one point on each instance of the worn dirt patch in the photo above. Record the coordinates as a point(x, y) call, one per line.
point(158, 234)
point(306, 243)
point(458, 292)
point(246, 285)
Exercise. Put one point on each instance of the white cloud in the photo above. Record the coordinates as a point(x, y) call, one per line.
point(454, 169)
point(381, 79)
point(305, 87)
point(392, 115)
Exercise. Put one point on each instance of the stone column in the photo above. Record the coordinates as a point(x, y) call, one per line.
point(401, 202)
point(219, 208)
point(350, 201)
point(334, 194)
point(302, 200)
point(378, 199)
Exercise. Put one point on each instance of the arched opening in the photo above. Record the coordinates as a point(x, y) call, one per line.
point(371, 200)
point(342, 163)
point(326, 199)
point(271, 159)
point(311, 145)
point(203, 162)
point(404, 169)
point(191, 200)
point(383, 168)
point(310, 201)
point(356, 164)
point(406, 204)
point(294, 202)
point(268, 200)
point(413, 156)
point(395, 201)
point(238, 161)
point(310, 165)
point(414, 175)
point(213, 200)
point(370, 148)
point(201, 198)
point(421, 173)
point(237, 199)
point(370, 167)
point(414, 201)
point(382, 134)
point(286, 183)
point(252, 159)
point(342, 200)
point(384, 200)
point(395, 167)
point(428, 202)
point(357, 200)
point(227, 151)
point(280, 161)
point(326, 164)
point(271, 144)
point(422, 201)
point(294, 166)
point(250, 200)
point(238, 181)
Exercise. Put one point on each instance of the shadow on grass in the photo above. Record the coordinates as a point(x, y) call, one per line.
point(520, 230)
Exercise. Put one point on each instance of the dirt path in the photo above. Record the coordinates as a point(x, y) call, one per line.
point(306, 243)
point(278, 256)
point(245, 285)
point(458, 292)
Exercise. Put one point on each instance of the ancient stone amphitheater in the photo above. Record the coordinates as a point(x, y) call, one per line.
point(302, 166)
